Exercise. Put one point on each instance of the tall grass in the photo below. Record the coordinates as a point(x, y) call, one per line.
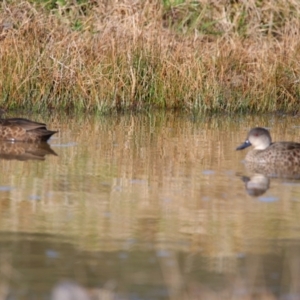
point(115, 55)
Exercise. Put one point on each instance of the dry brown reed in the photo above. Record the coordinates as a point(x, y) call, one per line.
point(108, 55)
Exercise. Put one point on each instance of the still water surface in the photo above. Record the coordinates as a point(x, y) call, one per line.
point(152, 206)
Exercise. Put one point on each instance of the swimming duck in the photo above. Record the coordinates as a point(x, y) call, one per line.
point(279, 153)
point(24, 130)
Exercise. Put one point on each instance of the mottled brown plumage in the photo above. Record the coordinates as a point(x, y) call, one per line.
point(24, 130)
point(278, 154)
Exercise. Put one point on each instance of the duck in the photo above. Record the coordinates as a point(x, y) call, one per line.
point(24, 130)
point(267, 152)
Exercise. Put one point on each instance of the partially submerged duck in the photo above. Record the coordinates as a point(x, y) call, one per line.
point(24, 130)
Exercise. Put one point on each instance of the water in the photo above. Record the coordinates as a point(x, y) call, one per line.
point(155, 206)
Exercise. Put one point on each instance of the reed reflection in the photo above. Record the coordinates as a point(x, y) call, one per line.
point(256, 273)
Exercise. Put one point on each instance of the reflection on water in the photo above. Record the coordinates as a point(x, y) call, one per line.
point(149, 207)
point(25, 151)
point(257, 184)
point(32, 263)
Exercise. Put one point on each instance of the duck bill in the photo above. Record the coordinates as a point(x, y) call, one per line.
point(244, 145)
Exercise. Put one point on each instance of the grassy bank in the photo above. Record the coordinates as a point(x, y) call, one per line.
point(114, 55)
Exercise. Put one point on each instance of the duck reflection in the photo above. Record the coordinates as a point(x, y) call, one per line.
point(256, 185)
point(259, 182)
point(25, 151)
